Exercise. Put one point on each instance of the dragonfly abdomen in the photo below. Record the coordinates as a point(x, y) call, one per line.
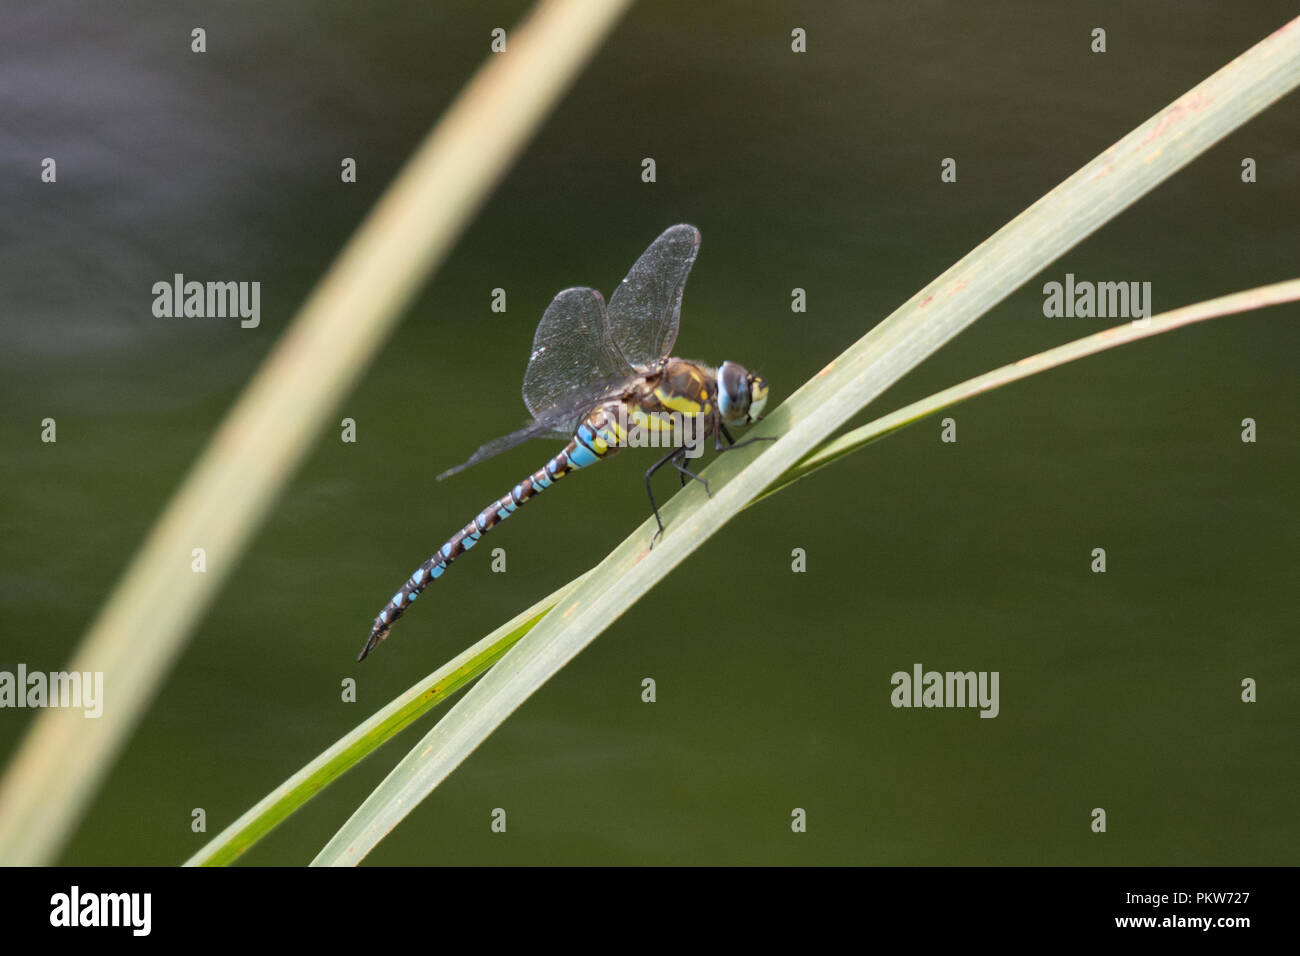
point(590, 444)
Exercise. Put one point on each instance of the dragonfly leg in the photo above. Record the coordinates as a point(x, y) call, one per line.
point(718, 446)
point(687, 473)
point(675, 453)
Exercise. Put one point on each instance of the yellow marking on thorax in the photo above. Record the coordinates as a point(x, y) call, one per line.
point(679, 403)
point(648, 421)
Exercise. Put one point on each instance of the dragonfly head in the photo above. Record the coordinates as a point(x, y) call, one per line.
point(741, 394)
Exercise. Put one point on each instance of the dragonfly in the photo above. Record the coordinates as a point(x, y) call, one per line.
point(603, 378)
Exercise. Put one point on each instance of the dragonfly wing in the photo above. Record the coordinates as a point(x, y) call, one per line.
point(645, 309)
point(559, 421)
point(572, 355)
point(534, 429)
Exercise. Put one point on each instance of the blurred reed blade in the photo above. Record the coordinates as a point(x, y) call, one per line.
point(358, 743)
point(1258, 298)
point(143, 627)
point(1073, 210)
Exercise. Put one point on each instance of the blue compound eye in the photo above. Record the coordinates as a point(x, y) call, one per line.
point(733, 393)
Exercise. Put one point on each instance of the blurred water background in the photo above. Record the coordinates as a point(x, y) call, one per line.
point(818, 171)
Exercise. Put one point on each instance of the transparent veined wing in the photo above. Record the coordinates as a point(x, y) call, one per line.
point(572, 353)
point(583, 352)
point(558, 421)
point(646, 308)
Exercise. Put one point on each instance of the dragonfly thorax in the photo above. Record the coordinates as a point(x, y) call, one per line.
point(741, 394)
point(676, 402)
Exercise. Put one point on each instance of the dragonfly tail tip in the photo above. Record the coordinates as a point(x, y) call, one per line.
point(372, 642)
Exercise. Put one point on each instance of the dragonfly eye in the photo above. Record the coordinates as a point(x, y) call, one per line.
point(741, 396)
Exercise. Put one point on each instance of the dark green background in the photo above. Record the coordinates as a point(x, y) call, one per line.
point(819, 171)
